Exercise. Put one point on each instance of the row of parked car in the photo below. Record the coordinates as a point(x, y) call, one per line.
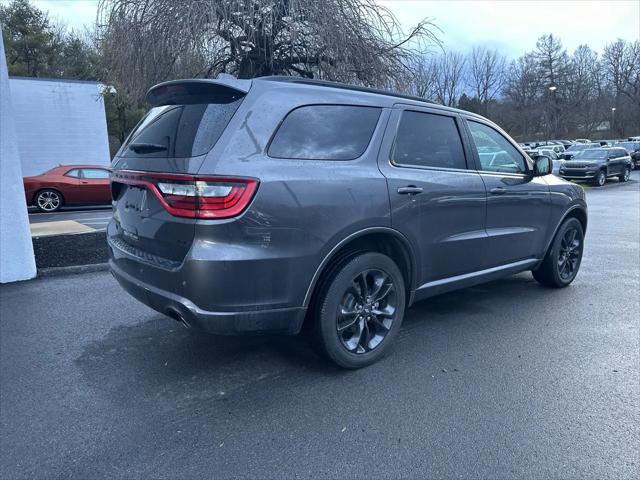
point(594, 161)
point(582, 159)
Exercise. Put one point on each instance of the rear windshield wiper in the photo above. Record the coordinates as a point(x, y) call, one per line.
point(147, 147)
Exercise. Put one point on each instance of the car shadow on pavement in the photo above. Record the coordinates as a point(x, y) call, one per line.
point(159, 355)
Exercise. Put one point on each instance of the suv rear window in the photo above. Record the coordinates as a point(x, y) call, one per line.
point(325, 132)
point(180, 131)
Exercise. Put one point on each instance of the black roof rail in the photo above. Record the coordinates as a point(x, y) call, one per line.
point(345, 86)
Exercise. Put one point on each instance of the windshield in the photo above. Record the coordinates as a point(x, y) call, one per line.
point(594, 153)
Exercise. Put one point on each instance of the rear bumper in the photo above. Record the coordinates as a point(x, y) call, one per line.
point(287, 321)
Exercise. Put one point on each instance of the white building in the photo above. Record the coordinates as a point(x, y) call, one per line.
point(16, 250)
point(58, 122)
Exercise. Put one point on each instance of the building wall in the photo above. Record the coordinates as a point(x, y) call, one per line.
point(58, 122)
point(16, 250)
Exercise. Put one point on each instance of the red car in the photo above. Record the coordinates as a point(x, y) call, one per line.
point(68, 185)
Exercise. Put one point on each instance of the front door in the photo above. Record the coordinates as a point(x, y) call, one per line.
point(437, 202)
point(518, 203)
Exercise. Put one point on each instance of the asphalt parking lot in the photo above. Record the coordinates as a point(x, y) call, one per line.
point(505, 380)
point(96, 217)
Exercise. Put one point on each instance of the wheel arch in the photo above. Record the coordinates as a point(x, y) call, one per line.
point(384, 240)
point(576, 211)
point(42, 189)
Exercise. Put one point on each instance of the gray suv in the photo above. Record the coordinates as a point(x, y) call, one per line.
point(273, 204)
point(598, 164)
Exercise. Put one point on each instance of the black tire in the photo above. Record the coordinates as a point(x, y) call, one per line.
point(48, 200)
point(364, 333)
point(600, 179)
point(625, 176)
point(553, 271)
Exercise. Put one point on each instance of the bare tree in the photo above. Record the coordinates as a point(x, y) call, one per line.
point(620, 62)
point(446, 72)
point(424, 77)
point(553, 63)
point(486, 75)
point(521, 91)
point(356, 41)
point(583, 92)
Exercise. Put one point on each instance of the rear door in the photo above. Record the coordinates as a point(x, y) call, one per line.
point(157, 165)
point(437, 202)
point(95, 186)
point(518, 204)
point(617, 161)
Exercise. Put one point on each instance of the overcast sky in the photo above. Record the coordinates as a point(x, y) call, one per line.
point(511, 26)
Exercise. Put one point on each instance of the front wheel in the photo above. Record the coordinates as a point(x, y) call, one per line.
point(600, 179)
point(359, 310)
point(625, 176)
point(562, 262)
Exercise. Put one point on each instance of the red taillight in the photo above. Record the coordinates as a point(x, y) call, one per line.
point(193, 196)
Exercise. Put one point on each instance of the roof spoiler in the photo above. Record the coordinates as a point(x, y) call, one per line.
point(224, 89)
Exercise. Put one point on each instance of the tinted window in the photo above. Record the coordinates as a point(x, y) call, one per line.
point(428, 140)
point(94, 173)
point(325, 132)
point(496, 153)
point(73, 173)
point(180, 131)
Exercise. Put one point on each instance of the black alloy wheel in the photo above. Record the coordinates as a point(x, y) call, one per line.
point(367, 311)
point(561, 263)
point(569, 254)
point(358, 309)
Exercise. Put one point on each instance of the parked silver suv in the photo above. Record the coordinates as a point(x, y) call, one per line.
point(259, 206)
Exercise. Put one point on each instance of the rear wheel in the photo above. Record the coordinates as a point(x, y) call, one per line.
point(359, 310)
point(562, 262)
point(625, 176)
point(600, 179)
point(49, 200)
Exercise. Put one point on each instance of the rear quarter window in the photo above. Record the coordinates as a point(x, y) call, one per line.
point(180, 131)
point(325, 132)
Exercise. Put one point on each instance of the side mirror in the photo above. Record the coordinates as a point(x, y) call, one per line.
point(542, 165)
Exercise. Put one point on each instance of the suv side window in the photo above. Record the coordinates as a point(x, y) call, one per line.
point(325, 132)
point(95, 173)
point(428, 140)
point(495, 152)
point(75, 173)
